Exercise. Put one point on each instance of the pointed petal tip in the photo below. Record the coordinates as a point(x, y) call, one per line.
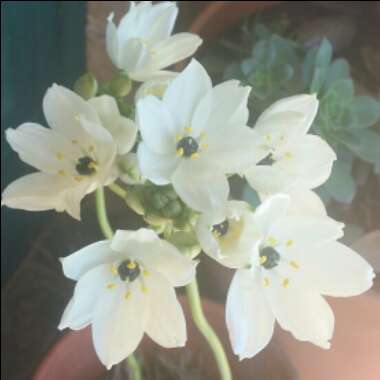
point(110, 17)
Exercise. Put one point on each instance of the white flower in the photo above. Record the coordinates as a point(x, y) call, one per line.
point(294, 261)
point(125, 288)
point(294, 159)
point(227, 234)
point(155, 87)
point(122, 129)
point(195, 135)
point(74, 157)
point(129, 169)
point(142, 44)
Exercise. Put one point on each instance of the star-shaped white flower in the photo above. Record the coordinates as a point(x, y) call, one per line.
point(122, 129)
point(294, 159)
point(294, 261)
point(125, 288)
point(195, 135)
point(74, 157)
point(142, 44)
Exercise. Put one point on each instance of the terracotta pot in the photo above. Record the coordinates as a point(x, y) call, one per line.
point(73, 356)
point(219, 16)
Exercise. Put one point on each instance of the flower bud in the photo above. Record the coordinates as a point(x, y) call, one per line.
point(86, 86)
point(120, 86)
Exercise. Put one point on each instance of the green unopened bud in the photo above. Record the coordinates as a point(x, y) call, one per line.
point(129, 169)
point(186, 242)
point(173, 209)
point(86, 86)
point(159, 201)
point(120, 86)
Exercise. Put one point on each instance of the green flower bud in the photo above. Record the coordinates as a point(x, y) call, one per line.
point(186, 242)
point(86, 86)
point(120, 86)
point(159, 201)
point(173, 209)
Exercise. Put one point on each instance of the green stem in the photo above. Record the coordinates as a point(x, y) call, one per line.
point(207, 331)
point(106, 228)
point(118, 190)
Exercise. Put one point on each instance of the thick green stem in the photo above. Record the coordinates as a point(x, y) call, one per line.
point(106, 228)
point(207, 331)
point(118, 190)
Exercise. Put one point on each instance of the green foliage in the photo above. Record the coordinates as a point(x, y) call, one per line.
point(278, 67)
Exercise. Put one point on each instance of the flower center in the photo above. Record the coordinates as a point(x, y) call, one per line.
point(267, 161)
point(269, 257)
point(86, 166)
point(128, 270)
point(187, 146)
point(221, 229)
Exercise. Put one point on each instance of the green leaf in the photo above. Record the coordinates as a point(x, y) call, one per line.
point(340, 92)
point(341, 185)
point(324, 54)
point(339, 69)
point(318, 80)
point(366, 111)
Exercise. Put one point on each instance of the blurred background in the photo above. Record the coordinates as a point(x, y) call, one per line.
point(56, 41)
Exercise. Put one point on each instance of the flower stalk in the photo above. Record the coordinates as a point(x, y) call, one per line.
point(104, 224)
point(207, 331)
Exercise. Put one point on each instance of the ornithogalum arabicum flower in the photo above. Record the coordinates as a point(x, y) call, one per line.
point(125, 288)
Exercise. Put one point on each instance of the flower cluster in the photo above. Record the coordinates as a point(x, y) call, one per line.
point(175, 153)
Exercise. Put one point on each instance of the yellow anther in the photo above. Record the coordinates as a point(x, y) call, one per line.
point(75, 141)
point(179, 137)
point(131, 265)
point(202, 135)
point(114, 269)
point(91, 148)
point(204, 146)
point(60, 156)
point(144, 289)
point(111, 285)
point(263, 259)
point(93, 165)
point(294, 265)
point(61, 172)
point(285, 282)
point(268, 137)
point(127, 294)
point(289, 243)
point(288, 155)
point(272, 240)
point(189, 129)
point(194, 156)
point(180, 152)
point(266, 282)
point(146, 272)
point(78, 178)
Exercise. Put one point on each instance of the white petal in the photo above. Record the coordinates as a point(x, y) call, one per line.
point(311, 160)
point(158, 168)
point(107, 110)
point(87, 291)
point(39, 192)
point(305, 104)
point(301, 311)
point(112, 43)
point(174, 49)
point(306, 202)
point(222, 108)
point(62, 108)
point(155, 87)
point(250, 321)
point(134, 57)
point(78, 263)
point(200, 186)
point(184, 93)
point(144, 245)
point(336, 270)
point(119, 323)
point(41, 147)
point(166, 324)
point(206, 238)
point(125, 136)
point(156, 125)
point(163, 24)
point(269, 212)
point(270, 179)
point(233, 151)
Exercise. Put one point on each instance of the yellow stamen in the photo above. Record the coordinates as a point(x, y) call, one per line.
point(127, 294)
point(288, 155)
point(289, 243)
point(78, 178)
point(144, 289)
point(111, 285)
point(263, 259)
point(202, 135)
point(75, 142)
point(91, 148)
point(60, 156)
point(266, 282)
point(131, 265)
point(114, 269)
point(294, 264)
point(146, 272)
point(189, 129)
point(272, 240)
point(285, 282)
point(93, 165)
point(204, 146)
point(178, 137)
point(61, 172)
point(194, 156)
point(180, 152)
